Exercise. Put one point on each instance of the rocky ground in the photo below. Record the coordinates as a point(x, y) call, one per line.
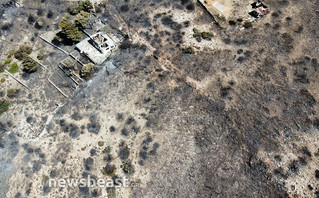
point(237, 118)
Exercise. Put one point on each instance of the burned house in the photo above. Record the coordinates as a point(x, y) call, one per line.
point(225, 11)
point(97, 47)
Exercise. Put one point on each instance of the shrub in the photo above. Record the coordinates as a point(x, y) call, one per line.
point(100, 143)
point(197, 33)
point(2, 67)
point(8, 61)
point(14, 68)
point(87, 71)
point(11, 53)
point(69, 64)
point(127, 167)
point(26, 48)
point(203, 35)
point(11, 93)
point(22, 51)
point(206, 35)
point(29, 65)
point(3, 80)
point(107, 149)
point(40, 56)
point(188, 50)
point(39, 24)
point(111, 192)
point(109, 170)
point(98, 9)
point(4, 106)
point(19, 55)
point(248, 24)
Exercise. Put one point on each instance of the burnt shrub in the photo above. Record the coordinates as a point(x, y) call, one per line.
point(124, 8)
point(6, 26)
point(143, 155)
point(169, 22)
point(88, 164)
point(50, 14)
point(124, 153)
point(31, 19)
point(130, 120)
point(124, 132)
point(72, 129)
point(93, 126)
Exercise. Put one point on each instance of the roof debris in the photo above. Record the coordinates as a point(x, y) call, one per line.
point(260, 9)
point(231, 12)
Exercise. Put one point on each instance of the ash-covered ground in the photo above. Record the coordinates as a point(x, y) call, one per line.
point(236, 118)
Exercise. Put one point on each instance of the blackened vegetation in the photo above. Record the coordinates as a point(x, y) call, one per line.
point(188, 4)
point(287, 42)
point(88, 163)
point(76, 116)
point(130, 120)
point(119, 117)
point(124, 132)
point(108, 158)
point(127, 44)
point(169, 22)
point(50, 14)
point(92, 152)
point(93, 126)
point(124, 152)
point(112, 128)
point(154, 149)
point(72, 129)
point(6, 26)
point(84, 191)
point(31, 19)
point(224, 91)
point(124, 8)
point(147, 149)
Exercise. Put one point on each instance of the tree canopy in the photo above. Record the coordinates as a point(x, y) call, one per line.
point(69, 29)
point(82, 18)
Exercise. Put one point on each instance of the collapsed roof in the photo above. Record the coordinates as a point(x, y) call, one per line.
point(97, 47)
point(226, 10)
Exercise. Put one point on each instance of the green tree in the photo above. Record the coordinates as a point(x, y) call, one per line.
point(85, 5)
point(69, 29)
point(82, 18)
point(29, 65)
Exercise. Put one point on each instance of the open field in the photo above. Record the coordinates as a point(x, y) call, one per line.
point(232, 112)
